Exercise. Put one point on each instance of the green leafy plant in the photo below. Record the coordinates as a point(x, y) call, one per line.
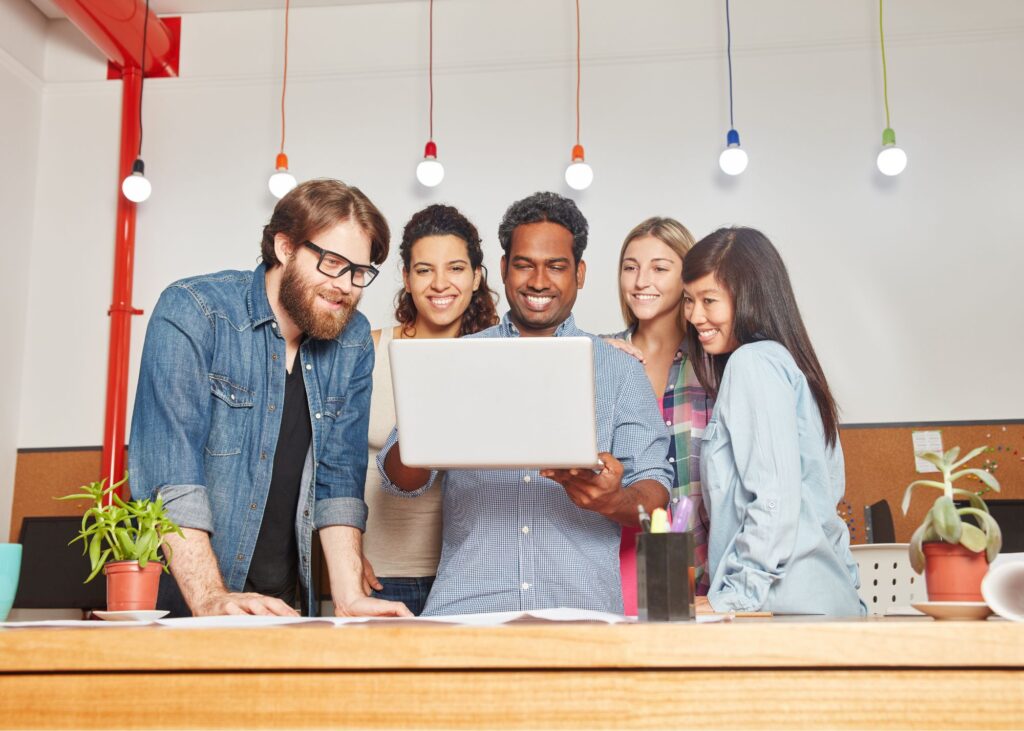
point(115, 530)
point(943, 522)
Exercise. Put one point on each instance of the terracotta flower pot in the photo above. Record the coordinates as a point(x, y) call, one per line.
point(953, 573)
point(131, 588)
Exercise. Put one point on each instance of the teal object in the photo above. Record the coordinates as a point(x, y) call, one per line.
point(10, 570)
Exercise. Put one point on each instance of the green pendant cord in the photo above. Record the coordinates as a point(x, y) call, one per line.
point(885, 75)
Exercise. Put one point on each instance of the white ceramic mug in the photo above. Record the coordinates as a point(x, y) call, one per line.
point(1003, 589)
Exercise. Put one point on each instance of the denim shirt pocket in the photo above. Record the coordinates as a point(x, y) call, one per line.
point(334, 407)
point(231, 409)
point(709, 443)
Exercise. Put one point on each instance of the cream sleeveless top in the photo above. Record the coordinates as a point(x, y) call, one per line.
point(403, 535)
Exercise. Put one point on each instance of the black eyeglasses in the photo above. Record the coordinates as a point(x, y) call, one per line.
point(335, 265)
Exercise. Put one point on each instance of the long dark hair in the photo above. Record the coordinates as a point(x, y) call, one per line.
point(746, 264)
point(441, 220)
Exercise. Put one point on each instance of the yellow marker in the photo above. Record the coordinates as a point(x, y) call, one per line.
point(659, 521)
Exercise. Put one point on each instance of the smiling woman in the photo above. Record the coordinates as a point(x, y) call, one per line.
point(651, 294)
point(445, 295)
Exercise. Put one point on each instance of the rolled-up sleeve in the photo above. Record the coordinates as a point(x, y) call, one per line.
point(757, 406)
point(341, 474)
point(386, 484)
point(171, 418)
point(640, 439)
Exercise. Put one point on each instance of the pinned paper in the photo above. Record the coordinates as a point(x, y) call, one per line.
point(926, 441)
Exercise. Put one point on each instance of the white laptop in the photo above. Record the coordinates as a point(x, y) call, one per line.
point(520, 403)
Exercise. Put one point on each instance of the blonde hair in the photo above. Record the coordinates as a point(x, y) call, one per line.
point(669, 232)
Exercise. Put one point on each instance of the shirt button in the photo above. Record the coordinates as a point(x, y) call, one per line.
point(672, 460)
point(771, 504)
point(309, 366)
point(274, 356)
point(273, 325)
point(305, 513)
point(240, 557)
point(263, 455)
point(232, 397)
point(253, 506)
point(273, 407)
point(524, 586)
point(668, 423)
point(305, 559)
point(526, 529)
point(317, 415)
point(526, 478)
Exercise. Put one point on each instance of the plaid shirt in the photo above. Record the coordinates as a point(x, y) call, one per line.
point(686, 408)
point(513, 540)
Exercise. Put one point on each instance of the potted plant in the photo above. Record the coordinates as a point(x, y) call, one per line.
point(954, 554)
point(124, 539)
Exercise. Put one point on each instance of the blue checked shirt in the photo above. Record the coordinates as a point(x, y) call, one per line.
point(513, 540)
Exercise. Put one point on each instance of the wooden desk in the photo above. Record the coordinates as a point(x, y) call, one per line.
point(748, 674)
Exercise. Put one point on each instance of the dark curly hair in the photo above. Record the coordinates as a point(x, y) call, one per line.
point(541, 207)
point(441, 220)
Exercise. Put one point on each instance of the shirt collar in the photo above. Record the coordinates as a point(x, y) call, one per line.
point(567, 328)
point(258, 304)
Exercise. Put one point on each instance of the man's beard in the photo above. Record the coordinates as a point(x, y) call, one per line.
point(299, 300)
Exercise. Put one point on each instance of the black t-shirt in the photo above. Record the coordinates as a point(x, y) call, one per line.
point(274, 567)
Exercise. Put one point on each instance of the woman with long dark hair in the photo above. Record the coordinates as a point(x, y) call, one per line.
point(444, 295)
point(771, 461)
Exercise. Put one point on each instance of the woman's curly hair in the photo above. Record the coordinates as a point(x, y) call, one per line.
point(442, 220)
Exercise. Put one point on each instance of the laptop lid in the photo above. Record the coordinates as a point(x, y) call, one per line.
point(520, 403)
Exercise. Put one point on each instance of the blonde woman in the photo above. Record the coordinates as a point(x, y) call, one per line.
point(651, 297)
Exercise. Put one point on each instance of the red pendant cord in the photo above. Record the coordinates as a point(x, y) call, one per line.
point(577, 72)
point(430, 73)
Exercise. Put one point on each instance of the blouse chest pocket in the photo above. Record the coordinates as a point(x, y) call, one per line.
point(231, 406)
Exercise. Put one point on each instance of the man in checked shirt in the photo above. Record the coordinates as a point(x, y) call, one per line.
point(512, 542)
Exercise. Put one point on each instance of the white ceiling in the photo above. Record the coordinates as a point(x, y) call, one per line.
point(176, 7)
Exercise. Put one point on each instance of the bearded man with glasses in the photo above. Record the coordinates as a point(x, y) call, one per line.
point(251, 415)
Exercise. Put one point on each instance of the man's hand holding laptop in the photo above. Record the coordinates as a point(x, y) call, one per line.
point(601, 490)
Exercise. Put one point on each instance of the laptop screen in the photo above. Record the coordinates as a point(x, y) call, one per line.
point(52, 572)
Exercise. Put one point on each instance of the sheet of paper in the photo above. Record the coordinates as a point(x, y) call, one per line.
point(926, 441)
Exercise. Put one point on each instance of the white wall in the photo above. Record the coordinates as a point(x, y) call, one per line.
point(22, 48)
point(909, 286)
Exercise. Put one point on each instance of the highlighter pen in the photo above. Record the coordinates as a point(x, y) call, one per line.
point(645, 519)
point(681, 515)
point(659, 521)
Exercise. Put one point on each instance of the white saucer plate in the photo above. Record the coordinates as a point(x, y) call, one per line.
point(147, 615)
point(954, 610)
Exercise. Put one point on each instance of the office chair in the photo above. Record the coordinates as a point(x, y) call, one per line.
point(878, 527)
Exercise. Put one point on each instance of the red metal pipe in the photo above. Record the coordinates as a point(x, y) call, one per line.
point(121, 309)
point(116, 27)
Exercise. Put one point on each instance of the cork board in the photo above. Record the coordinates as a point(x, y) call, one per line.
point(880, 464)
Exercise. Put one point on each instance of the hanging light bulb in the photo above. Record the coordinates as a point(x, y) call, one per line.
point(578, 175)
point(733, 159)
point(430, 172)
point(136, 187)
point(281, 181)
point(891, 159)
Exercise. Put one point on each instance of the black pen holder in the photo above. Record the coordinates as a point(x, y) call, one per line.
point(665, 573)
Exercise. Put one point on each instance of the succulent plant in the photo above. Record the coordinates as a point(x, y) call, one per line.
point(944, 522)
point(115, 530)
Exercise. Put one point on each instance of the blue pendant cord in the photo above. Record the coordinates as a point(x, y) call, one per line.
point(728, 53)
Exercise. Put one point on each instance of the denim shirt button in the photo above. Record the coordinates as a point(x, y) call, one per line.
point(309, 366)
point(305, 513)
point(263, 456)
point(253, 506)
point(272, 407)
point(317, 415)
point(240, 557)
point(273, 356)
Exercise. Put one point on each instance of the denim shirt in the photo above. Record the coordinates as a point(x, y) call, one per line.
point(771, 485)
point(208, 414)
point(513, 540)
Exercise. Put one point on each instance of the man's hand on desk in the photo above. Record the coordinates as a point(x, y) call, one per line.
point(365, 606)
point(239, 603)
point(597, 491)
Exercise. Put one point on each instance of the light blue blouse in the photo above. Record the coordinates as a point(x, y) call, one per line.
point(771, 486)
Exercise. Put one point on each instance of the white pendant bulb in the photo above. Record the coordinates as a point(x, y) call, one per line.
point(891, 160)
point(430, 172)
point(579, 175)
point(281, 181)
point(136, 187)
point(733, 159)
